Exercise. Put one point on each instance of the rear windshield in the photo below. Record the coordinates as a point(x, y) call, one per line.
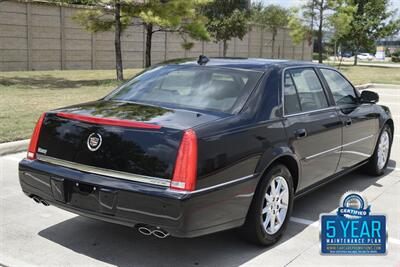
point(193, 87)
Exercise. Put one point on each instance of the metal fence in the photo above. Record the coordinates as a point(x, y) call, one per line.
point(43, 36)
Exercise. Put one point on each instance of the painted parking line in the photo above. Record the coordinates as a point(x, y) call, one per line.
point(389, 103)
point(315, 224)
point(388, 95)
point(394, 169)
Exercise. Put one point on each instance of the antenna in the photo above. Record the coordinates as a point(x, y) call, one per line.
point(203, 60)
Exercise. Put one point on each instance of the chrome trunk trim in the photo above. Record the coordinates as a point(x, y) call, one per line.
point(105, 172)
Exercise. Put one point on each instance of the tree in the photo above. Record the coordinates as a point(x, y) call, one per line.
point(340, 24)
point(109, 15)
point(297, 30)
point(272, 18)
point(319, 11)
point(371, 21)
point(227, 19)
point(179, 16)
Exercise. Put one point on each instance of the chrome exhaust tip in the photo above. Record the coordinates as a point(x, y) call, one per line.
point(151, 230)
point(36, 199)
point(159, 233)
point(44, 202)
point(145, 231)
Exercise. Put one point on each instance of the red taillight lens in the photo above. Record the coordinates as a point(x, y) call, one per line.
point(35, 137)
point(186, 163)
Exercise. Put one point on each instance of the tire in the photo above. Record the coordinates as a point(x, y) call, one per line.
point(253, 229)
point(375, 165)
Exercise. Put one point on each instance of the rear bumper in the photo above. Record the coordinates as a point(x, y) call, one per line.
point(133, 203)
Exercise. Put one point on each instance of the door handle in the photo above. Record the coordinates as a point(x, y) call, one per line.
point(348, 122)
point(300, 133)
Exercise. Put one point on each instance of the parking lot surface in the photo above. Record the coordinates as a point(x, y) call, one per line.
point(32, 235)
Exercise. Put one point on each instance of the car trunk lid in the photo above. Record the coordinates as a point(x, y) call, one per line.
point(120, 136)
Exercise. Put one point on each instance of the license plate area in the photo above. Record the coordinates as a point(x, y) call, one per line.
point(83, 196)
point(86, 196)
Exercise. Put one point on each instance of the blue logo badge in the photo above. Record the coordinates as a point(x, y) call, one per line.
point(353, 230)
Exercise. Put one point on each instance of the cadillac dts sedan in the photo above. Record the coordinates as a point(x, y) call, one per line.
point(196, 147)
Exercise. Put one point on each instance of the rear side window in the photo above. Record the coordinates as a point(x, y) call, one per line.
point(342, 90)
point(303, 91)
point(292, 102)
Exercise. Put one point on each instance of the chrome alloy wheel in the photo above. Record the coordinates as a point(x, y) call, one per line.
point(383, 149)
point(275, 207)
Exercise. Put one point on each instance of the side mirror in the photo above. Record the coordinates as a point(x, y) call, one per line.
point(369, 97)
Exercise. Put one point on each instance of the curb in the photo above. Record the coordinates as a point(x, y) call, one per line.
point(14, 147)
point(377, 85)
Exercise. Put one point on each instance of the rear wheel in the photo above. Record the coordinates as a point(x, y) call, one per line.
point(271, 207)
point(378, 162)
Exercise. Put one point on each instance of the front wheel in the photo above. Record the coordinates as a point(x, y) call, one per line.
point(271, 207)
point(379, 160)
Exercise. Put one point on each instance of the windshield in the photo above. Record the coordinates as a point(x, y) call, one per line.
point(193, 87)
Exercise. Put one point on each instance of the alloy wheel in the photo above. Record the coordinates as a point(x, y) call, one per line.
point(383, 149)
point(275, 207)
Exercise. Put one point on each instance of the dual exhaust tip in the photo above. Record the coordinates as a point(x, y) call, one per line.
point(143, 229)
point(40, 200)
point(151, 230)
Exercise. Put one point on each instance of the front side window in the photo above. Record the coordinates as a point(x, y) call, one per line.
point(303, 91)
point(342, 91)
point(193, 87)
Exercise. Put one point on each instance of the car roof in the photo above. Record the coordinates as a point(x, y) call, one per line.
point(246, 63)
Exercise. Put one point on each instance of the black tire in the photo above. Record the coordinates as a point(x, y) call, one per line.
point(372, 168)
point(253, 229)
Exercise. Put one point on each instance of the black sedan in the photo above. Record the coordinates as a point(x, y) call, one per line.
point(197, 147)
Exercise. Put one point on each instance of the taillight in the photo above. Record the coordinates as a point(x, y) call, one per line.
point(33, 145)
point(186, 163)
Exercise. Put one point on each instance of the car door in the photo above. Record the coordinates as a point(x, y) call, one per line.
point(312, 125)
point(360, 121)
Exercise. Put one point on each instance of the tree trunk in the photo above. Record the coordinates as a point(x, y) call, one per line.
point(355, 56)
point(273, 45)
point(334, 52)
point(149, 36)
point(225, 48)
point(319, 40)
point(117, 41)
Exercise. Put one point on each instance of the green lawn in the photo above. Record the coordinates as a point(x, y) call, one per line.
point(25, 95)
point(365, 74)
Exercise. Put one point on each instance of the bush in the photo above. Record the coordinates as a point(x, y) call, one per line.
point(396, 56)
point(315, 56)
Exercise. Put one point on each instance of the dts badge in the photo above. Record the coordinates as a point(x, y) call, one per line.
point(353, 230)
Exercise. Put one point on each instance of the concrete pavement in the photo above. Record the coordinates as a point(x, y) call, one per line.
point(32, 235)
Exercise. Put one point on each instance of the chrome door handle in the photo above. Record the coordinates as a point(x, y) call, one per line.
point(348, 122)
point(300, 133)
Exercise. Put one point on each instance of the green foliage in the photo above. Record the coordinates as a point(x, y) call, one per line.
point(179, 16)
point(315, 56)
point(271, 17)
point(229, 27)
point(102, 18)
point(298, 31)
point(187, 45)
point(76, 2)
point(227, 19)
point(340, 20)
point(372, 20)
point(395, 56)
